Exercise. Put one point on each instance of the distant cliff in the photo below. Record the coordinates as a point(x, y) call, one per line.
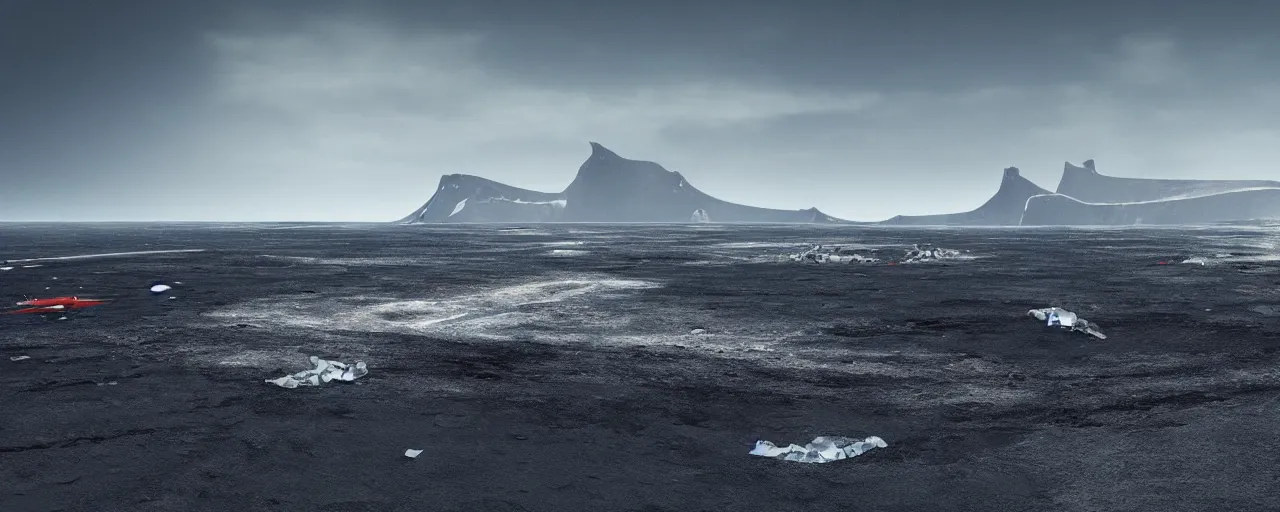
point(465, 198)
point(1237, 205)
point(607, 188)
point(610, 188)
point(1087, 185)
point(1088, 198)
point(1003, 209)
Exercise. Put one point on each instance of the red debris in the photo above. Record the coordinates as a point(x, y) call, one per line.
point(55, 305)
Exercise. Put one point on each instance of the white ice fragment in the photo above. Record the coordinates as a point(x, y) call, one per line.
point(698, 331)
point(161, 288)
point(1061, 317)
point(412, 454)
point(19, 358)
point(1058, 317)
point(6, 268)
point(821, 449)
point(323, 371)
point(919, 254)
point(1196, 261)
point(821, 254)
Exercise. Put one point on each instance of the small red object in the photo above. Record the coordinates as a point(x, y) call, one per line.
point(55, 305)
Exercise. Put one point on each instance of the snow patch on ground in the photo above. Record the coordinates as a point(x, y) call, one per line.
point(350, 262)
point(523, 231)
point(568, 252)
point(494, 313)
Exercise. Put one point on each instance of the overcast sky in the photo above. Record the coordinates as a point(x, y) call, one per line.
point(326, 110)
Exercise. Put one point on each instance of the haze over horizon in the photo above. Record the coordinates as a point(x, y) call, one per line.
point(351, 111)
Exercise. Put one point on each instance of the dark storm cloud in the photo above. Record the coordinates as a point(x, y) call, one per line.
point(351, 110)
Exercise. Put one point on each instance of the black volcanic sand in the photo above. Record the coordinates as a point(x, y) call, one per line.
point(581, 396)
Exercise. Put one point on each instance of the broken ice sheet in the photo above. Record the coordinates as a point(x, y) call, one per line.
point(322, 371)
point(821, 449)
point(925, 253)
point(822, 254)
point(1058, 317)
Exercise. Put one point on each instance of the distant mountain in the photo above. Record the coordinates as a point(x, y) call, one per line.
point(610, 188)
point(1087, 198)
point(1237, 205)
point(1087, 185)
point(607, 188)
point(466, 198)
point(1003, 209)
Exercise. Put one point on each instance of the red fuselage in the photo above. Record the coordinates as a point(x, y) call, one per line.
point(56, 305)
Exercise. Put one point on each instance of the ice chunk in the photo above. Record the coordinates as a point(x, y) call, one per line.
point(322, 372)
point(821, 254)
point(699, 215)
point(412, 454)
point(821, 449)
point(920, 254)
point(19, 358)
point(1058, 317)
point(1062, 317)
point(159, 288)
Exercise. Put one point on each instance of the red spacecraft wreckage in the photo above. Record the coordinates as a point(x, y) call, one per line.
point(54, 306)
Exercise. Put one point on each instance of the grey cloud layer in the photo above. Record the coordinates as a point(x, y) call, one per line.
point(345, 117)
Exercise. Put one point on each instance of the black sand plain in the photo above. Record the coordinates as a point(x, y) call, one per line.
point(554, 368)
